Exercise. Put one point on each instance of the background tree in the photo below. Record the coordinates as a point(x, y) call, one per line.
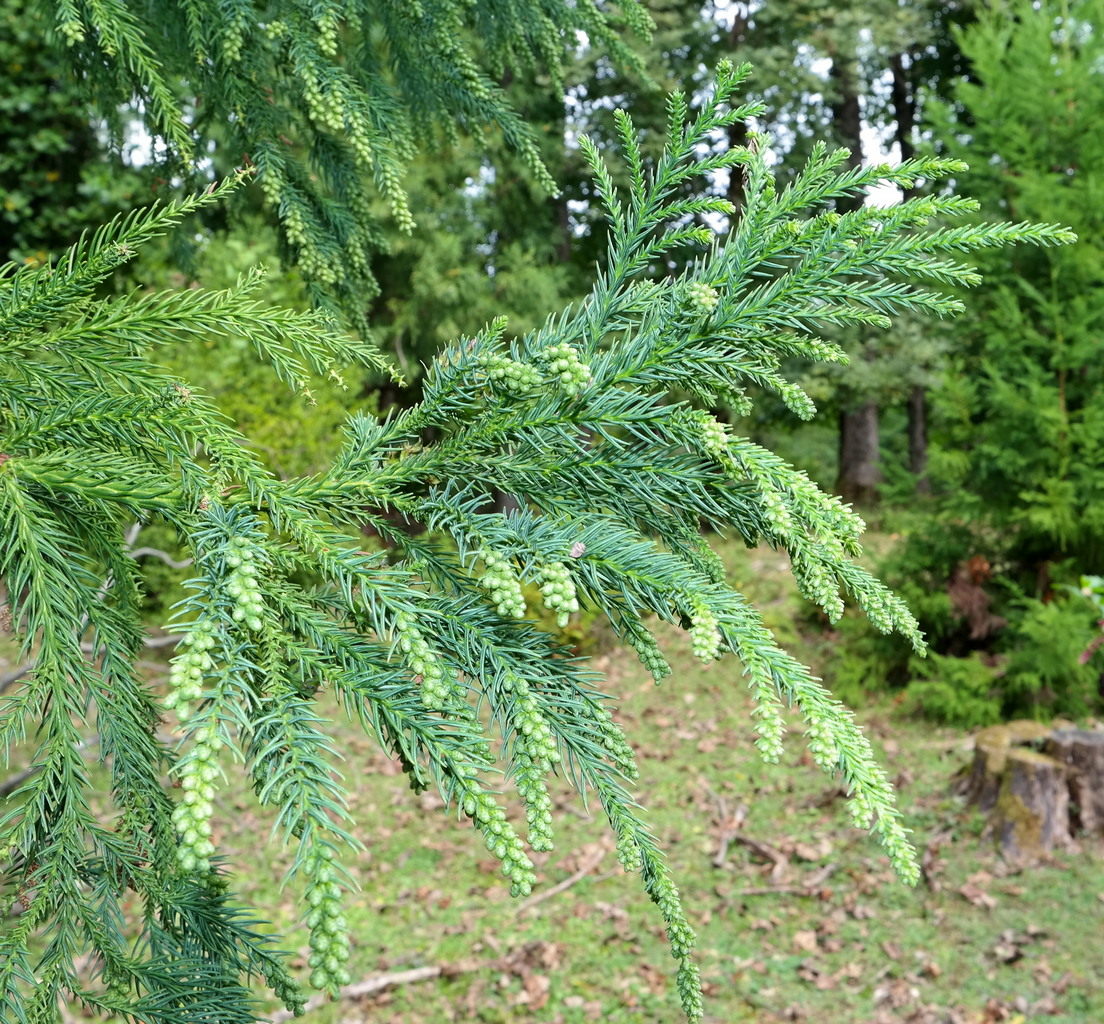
point(56, 174)
point(1019, 419)
point(1016, 511)
point(859, 74)
point(325, 102)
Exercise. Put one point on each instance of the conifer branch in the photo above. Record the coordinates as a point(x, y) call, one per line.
point(584, 422)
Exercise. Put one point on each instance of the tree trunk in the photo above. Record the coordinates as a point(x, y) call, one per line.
point(859, 475)
point(981, 785)
point(903, 98)
point(737, 132)
point(918, 438)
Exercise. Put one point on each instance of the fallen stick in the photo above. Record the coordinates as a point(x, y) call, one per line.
point(367, 987)
point(807, 888)
point(765, 850)
point(382, 981)
point(546, 894)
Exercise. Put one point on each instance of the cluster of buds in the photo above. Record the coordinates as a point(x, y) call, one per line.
point(705, 637)
point(821, 741)
point(501, 840)
point(769, 727)
point(241, 585)
point(117, 982)
point(888, 612)
point(312, 261)
point(816, 583)
point(881, 610)
point(423, 661)
point(391, 185)
point(562, 361)
point(324, 105)
point(532, 728)
point(272, 185)
point(192, 816)
point(72, 31)
point(558, 591)
point(233, 38)
point(714, 436)
point(680, 935)
point(688, 981)
point(530, 784)
point(509, 374)
point(701, 297)
point(327, 33)
point(187, 670)
point(329, 931)
point(775, 511)
point(362, 146)
point(647, 650)
point(500, 580)
point(628, 851)
point(797, 401)
point(613, 740)
point(536, 753)
point(285, 988)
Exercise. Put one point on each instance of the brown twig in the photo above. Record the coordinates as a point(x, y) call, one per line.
point(765, 850)
point(13, 782)
point(370, 985)
point(13, 677)
point(730, 826)
point(806, 888)
point(546, 894)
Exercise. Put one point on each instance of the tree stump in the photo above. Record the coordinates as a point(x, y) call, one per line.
point(1040, 787)
point(1031, 815)
point(1082, 753)
point(991, 747)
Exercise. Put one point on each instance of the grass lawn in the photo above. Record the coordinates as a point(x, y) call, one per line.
point(798, 915)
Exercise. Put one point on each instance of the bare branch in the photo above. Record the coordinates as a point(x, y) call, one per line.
point(163, 555)
point(10, 678)
point(545, 894)
point(367, 987)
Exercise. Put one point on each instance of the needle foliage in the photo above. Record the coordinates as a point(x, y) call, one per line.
point(329, 99)
point(613, 471)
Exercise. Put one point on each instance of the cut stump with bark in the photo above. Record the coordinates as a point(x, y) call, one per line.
point(991, 747)
point(1040, 787)
point(1031, 815)
point(1082, 752)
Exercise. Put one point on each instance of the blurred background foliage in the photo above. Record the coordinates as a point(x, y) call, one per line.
point(974, 447)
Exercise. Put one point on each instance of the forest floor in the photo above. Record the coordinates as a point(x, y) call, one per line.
point(798, 915)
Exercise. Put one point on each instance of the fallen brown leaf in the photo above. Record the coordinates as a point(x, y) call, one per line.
point(806, 941)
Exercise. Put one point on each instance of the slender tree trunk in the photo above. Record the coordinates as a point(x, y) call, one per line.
point(918, 438)
point(903, 96)
point(738, 132)
point(859, 474)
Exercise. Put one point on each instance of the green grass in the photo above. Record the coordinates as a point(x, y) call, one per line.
point(811, 926)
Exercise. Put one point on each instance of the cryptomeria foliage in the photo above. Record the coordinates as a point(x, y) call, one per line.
point(329, 100)
point(613, 480)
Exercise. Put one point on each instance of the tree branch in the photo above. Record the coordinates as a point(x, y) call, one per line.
point(163, 555)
